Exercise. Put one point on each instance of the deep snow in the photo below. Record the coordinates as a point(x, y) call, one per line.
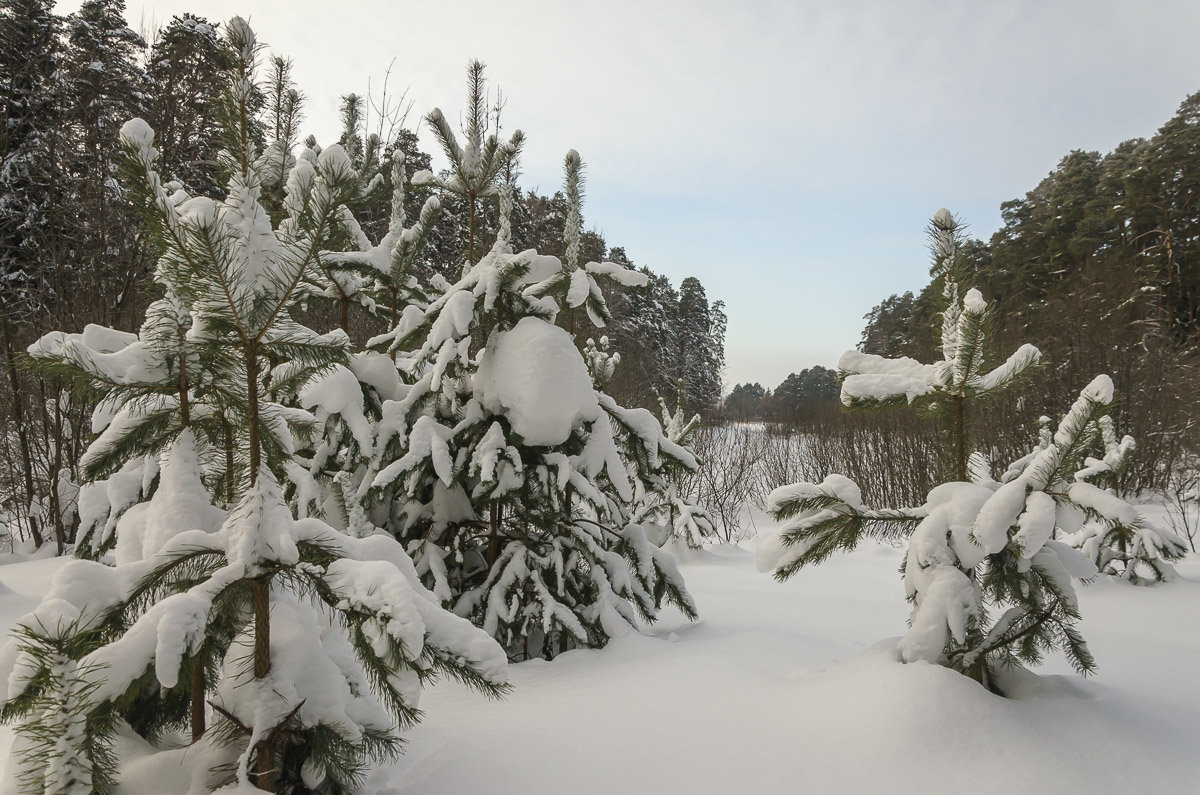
point(796, 687)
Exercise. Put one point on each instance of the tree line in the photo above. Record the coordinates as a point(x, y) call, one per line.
point(1099, 267)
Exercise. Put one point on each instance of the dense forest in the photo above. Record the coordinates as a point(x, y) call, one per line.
point(1099, 267)
point(73, 241)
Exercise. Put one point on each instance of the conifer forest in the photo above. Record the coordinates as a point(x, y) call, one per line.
point(370, 465)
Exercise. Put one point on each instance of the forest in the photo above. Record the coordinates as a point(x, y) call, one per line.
point(75, 249)
point(1098, 266)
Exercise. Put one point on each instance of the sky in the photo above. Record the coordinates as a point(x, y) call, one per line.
point(788, 154)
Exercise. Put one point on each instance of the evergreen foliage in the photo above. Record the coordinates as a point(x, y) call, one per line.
point(309, 645)
point(1098, 266)
point(507, 467)
point(990, 582)
point(951, 385)
point(478, 164)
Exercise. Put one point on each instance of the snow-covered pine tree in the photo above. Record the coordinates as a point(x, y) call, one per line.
point(185, 69)
point(477, 166)
point(699, 357)
point(107, 88)
point(976, 549)
point(952, 384)
point(315, 643)
point(347, 400)
point(646, 332)
point(504, 464)
point(145, 385)
point(980, 547)
point(665, 506)
point(388, 267)
point(1115, 535)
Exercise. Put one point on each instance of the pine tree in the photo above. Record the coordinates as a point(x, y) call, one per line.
point(948, 386)
point(1117, 537)
point(700, 340)
point(185, 69)
point(475, 167)
point(976, 548)
point(33, 216)
point(645, 331)
point(506, 466)
point(309, 645)
point(107, 87)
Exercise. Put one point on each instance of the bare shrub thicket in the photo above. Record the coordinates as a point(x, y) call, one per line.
point(1183, 501)
point(731, 476)
point(894, 457)
point(743, 462)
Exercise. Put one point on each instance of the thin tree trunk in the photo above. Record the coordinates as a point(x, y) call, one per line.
point(470, 234)
point(960, 437)
point(60, 532)
point(265, 758)
point(497, 516)
point(199, 686)
point(22, 431)
point(227, 430)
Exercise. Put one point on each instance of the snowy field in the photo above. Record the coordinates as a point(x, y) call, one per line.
point(795, 687)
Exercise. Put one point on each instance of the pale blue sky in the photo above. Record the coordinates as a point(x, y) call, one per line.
point(786, 153)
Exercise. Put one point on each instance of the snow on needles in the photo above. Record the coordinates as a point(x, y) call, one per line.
point(534, 375)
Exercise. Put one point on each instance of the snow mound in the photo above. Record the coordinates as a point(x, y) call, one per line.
point(534, 375)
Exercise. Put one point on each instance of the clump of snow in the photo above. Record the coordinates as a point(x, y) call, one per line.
point(1100, 390)
point(973, 302)
point(534, 375)
point(137, 132)
point(180, 503)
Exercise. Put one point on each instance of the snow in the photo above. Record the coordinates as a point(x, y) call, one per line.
point(533, 374)
point(788, 687)
point(180, 503)
point(871, 377)
point(1100, 390)
point(783, 684)
point(1021, 359)
point(337, 393)
point(618, 273)
point(882, 387)
point(973, 302)
point(136, 132)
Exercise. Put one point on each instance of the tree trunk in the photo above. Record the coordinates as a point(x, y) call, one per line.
point(960, 437)
point(497, 516)
point(228, 442)
point(22, 429)
point(470, 234)
point(199, 686)
point(265, 758)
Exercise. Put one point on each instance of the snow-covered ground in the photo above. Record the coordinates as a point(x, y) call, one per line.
point(795, 687)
